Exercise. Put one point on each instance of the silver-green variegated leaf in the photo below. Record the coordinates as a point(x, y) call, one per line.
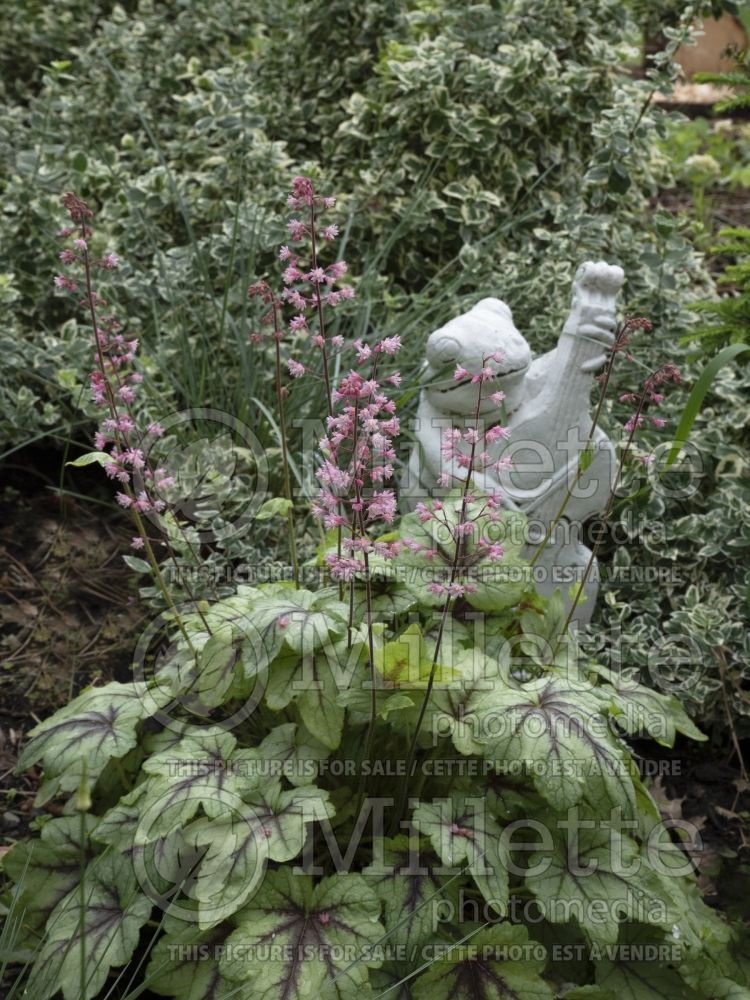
point(289, 751)
point(185, 964)
point(296, 941)
point(314, 682)
point(497, 963)
point(639, 709)
point(97, 726)
point(217, 661)
point(557, 730)
point(458, 707)
point(597, 878)
point(414, 894)
point(235, 847)
point(114, 911)
point(46, 868)
point(195, 773)
point(304, 621)
point(464, 835)
point(118, 825)
point(642, 966)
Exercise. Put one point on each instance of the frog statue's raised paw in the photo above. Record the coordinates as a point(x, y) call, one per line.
point(547, 412)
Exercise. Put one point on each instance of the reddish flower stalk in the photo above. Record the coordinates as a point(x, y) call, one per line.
point(262, 290)
point(665, 374)
point(303, 292)
point(114, 389)
point(473, 462)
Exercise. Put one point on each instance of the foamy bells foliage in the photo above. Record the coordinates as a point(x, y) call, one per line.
point(209, 775)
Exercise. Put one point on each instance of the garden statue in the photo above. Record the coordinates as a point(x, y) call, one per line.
point(546, 412)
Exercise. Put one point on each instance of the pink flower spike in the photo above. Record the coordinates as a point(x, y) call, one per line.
point(330, 232)
point(136, 542)
point(285, 253)
point(461, 373)
point(297, 323)
point(302, 187)
point(295, 368)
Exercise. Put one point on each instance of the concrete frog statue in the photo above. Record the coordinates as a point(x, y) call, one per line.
point(546, 411)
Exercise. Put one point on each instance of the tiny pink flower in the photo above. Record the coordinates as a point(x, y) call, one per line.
point(390, 345)
point(496, 433)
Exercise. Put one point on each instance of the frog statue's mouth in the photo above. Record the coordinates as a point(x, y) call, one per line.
point(498, 379)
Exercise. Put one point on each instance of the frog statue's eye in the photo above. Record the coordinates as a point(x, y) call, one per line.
point(443, 350)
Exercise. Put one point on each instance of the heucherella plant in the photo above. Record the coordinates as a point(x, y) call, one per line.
point(424, 790)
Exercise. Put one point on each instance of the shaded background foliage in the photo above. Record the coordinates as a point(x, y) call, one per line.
point(490, 147)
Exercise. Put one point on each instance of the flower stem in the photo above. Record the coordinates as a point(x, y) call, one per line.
point(285, 449)
point(447, 605)
point(604, 519)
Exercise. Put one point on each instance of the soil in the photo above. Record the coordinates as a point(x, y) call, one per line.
point(68, 612)
point(708, 791)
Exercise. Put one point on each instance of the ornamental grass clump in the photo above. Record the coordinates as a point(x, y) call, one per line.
point(408, 781)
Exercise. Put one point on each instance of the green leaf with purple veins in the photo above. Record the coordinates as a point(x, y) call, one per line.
point(114, 911)
point(296, 941)
point(497, 963)
point(98, 725)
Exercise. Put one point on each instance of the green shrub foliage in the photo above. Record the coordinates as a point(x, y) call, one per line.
point(483, 148)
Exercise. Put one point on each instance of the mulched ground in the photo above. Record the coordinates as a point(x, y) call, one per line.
point(709, 791)
point(68, 614)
